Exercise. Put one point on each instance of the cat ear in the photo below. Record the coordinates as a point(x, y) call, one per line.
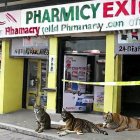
point(35, 104)
point(44, 107)
point(109, 113)
point(63, 109)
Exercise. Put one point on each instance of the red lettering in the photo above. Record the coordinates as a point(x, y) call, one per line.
point(121, 8)
point(133, 7)
point(106, 8)
point(7, 30)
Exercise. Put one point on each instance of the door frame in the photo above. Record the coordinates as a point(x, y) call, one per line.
point(24, 89)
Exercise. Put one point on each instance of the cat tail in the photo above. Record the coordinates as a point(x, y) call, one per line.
point(103, 132)
point(99, 125)
point(98, 130)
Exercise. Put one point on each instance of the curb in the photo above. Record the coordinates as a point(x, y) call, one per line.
point(29, 132)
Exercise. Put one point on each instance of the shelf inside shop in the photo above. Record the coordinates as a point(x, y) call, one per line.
point(49, 89)
point(83, 54)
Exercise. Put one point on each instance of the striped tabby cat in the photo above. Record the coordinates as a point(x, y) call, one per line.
point(120, 123)
point(77, 125)
point(42, 118)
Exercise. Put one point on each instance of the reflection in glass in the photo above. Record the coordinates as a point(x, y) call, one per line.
point(43, 73)
point(32, 72)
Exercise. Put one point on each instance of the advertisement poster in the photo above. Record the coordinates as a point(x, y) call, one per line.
point(98, 98)
point(74, 97)
point(75, 69)
point(32, 47)
point(75, 102)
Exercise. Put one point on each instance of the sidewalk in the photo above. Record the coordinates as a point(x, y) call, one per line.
point(23, 121)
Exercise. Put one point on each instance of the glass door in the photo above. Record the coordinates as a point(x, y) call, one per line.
point(36, 81)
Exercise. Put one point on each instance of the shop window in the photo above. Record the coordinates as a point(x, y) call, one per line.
point(86, 44)
point(33, 68)
point(30, 47)
point(84, 61)
point(44, 71)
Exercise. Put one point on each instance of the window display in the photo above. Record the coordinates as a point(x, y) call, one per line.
point(76, 97)
point(83, 68)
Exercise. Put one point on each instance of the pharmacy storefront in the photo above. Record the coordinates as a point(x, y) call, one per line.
point(44, 49)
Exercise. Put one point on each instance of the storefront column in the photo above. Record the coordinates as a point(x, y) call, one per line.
point(1, 84)
point(117, 89)
point(52, 76)
point(11, 81)
point(109, 101)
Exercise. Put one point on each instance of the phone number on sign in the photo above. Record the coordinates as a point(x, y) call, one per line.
point(129, 48)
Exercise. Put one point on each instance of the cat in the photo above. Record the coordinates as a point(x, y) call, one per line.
point(42, 118)
point(77, 125)
point(120, 123)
